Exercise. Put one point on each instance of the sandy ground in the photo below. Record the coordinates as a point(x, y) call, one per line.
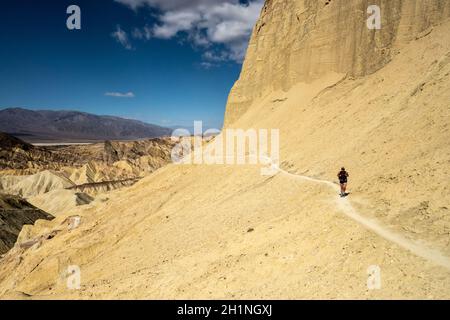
point(259, 237)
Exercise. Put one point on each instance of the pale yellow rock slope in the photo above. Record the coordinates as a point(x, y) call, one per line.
point(60, 201)
point(228, 232)
point(36, 184)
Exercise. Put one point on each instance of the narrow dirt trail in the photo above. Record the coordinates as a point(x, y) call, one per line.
point(344, 204)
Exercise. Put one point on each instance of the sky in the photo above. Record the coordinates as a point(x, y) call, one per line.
point(167, 62)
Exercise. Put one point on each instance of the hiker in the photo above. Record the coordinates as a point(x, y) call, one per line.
point(343, 177)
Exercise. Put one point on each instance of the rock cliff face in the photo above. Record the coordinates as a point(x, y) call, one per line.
point(301, 40)
point(14, 214)
point(17, 154)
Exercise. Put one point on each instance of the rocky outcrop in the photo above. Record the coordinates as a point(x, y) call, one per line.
point(111, 160)
point(101, 187)
point(14, 214)
point(16, 154)
point(301, 40)
point(8, 143)
point(157, 148)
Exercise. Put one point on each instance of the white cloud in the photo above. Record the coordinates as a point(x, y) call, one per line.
point(227, 23)
point(207, 65)
point(120, 95)
point(122, 38)
point(173, 22)
point(142, 33)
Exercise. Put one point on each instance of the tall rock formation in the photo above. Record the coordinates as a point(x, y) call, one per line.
point(301, 40)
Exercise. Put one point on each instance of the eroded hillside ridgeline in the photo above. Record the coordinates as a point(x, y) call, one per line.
point(14, 214)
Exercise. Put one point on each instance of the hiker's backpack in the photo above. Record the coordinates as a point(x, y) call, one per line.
point(343, 175)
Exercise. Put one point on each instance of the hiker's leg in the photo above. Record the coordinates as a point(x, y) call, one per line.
point(344, 187)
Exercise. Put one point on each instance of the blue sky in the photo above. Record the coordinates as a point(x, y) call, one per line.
point(167, 62)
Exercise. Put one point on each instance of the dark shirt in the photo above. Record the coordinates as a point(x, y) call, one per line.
point(343, 175)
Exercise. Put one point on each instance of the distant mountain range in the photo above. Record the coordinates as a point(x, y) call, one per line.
point(73, 126)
